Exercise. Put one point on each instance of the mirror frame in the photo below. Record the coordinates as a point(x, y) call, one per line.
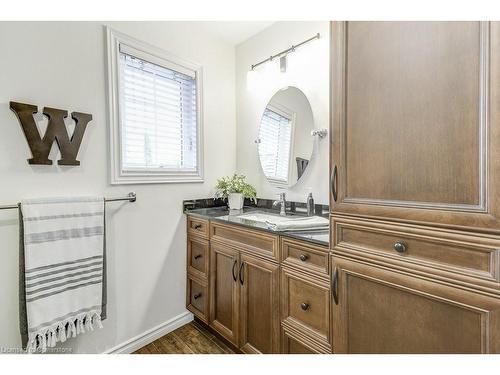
point(277, 184)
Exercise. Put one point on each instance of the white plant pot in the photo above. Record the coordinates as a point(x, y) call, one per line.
point(235, 201)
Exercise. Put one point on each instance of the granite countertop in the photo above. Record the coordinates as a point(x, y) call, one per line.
point(224, 215)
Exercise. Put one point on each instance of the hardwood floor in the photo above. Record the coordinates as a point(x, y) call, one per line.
point(192, 338)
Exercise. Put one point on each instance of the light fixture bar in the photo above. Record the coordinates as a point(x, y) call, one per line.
point(285, 52)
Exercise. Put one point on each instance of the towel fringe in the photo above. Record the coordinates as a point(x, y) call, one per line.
point(52, 341)
point(62, 332)
point(73, 329)
point(97, 319)
point(44, 342)
point(48, 337)
point(88, 322)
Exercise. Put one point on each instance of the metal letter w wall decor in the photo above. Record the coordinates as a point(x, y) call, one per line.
point(56, 130)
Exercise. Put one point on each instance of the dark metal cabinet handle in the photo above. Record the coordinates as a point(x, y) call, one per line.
point(335, 280)
point(304, 306)
point(197, 256)
point(197, 226)
point(400, 247)
point(196, 296)
point(241, 273)
point(303, 257)
point(334, 183)
point(234, 270)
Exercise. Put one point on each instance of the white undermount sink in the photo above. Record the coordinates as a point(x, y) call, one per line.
point(287, 223)
point(264, 217)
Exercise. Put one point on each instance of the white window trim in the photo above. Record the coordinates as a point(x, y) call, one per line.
point(117, 175)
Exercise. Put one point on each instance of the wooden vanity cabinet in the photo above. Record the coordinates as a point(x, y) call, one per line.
point(259, 305)
point(244, 289)
point(415, 200)
point(197, 290)
point(415, 122)
point(305, 297)
point(262, 292)
point(414, 259)
point(378, 310)
point(224, 291)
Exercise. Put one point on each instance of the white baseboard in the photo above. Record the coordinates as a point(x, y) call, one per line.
point(151, 335)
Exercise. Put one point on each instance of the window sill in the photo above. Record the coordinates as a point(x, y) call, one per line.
point(136, 178)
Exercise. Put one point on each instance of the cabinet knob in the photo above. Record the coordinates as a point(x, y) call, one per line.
point(196, 296)
point(400, 247)
point(197, 256)
point(303, 257)
point(304, 306)
point(197, 226)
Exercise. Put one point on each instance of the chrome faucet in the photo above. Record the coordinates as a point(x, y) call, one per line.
point(282, 203)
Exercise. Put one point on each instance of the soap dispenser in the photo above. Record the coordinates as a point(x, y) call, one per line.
point(310, 203)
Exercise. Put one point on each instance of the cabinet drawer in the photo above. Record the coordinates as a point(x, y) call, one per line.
point(306, 304)
point(197, 297)
point(451, 254)
point(254, 242)
point(197, 256)
point(295, 342)
point(294, 346)
point(197, 226)
point(304, 256)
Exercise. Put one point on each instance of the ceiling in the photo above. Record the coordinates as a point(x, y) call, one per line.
point(235, 32)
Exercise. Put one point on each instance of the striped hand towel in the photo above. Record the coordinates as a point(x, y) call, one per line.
point(62, 278)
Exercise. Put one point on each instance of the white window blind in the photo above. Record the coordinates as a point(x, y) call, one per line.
point(158, 112)
point(275, 137)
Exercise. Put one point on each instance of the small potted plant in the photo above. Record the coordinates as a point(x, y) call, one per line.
point(235, 189)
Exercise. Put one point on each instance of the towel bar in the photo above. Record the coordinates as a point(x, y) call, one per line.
point(131, 197)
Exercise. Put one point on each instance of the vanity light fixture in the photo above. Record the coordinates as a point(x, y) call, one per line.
point(283, 64)
point(282, 55)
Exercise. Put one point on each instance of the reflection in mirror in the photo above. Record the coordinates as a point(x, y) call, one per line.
point(285, 141)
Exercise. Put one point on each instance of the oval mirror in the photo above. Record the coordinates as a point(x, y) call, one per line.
point(285, 142)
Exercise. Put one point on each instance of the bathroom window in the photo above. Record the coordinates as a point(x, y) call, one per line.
point(155, 116)
point(275, 140)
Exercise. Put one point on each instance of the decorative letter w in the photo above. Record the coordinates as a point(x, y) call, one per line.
point(56, 130)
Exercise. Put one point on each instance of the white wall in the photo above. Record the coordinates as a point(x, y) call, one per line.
point(62, 65)
point(308, 70)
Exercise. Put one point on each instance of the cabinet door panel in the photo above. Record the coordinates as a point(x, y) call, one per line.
point(411, 116)
point(259, 317)
point(410, 133)
point(381, 311)
point(224, 296)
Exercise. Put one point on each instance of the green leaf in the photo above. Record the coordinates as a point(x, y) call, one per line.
point(235, 184)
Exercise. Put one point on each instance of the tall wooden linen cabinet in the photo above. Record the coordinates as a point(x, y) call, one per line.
point(415, 187)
